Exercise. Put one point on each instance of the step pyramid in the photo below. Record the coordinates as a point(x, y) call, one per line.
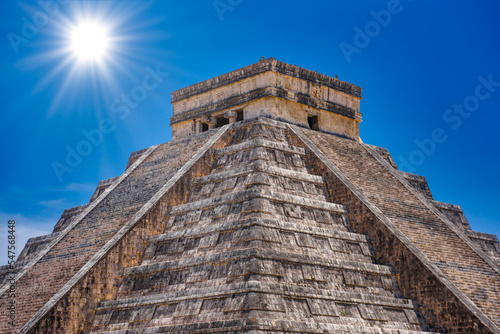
point(258, 246)
point(265, 214)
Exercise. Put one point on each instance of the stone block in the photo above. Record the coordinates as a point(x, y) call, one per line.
point(372, 312)
point(292, 210)
point(313, 273)
point(209, 240)
point(193, 216)
point(305, 240)
point(187, 308)
point(323, 307)
point(165, 311)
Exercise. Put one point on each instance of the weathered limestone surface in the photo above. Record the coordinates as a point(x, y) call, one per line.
point(259, 245)
point(249, 222)
point(475, 276)
point(269, 88)
point(82, 241)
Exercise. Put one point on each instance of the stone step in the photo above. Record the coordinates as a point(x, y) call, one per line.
point(260, 130)
point(257, 232)
point(292, 291)
point(207, 325)
point(289, 301)
point(221, 236)
point(155, 284)
point(303, 269)
point(264, 196)
point(288, 161)
point(261, 166)
point(257, 203)
point(271, 123)
point(259, 142)
point(276, 223)
point(275, 153)
point(184, 248)
point(259, 127)
point(270, 254)
point(266, 326)
point(263, 175)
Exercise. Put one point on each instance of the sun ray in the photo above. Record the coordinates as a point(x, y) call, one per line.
point(72, 73)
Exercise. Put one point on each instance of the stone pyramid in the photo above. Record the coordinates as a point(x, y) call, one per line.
point(264, 214)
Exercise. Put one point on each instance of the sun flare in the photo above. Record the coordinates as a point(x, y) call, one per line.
point(89, 41)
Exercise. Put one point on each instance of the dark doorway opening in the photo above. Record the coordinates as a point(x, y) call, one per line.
point(313, 122)
point(239, 115)
point(204, 127)
point(221, 121)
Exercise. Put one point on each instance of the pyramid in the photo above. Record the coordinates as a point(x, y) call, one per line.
point(265, 214)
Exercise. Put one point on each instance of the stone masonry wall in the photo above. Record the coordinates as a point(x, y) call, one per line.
point(80, 243)
point(441, 306)
point(74, 313)
point(270, 88)
point(258, 247)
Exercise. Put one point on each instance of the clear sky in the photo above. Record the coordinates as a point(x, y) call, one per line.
point(429, 70)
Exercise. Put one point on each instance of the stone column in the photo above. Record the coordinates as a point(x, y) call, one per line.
point(211, 121)
point(231, 115)
point(197, 126)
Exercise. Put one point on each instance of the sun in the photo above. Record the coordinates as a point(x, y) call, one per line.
point(89, 41)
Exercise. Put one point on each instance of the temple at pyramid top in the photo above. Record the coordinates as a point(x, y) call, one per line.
point(273, 89)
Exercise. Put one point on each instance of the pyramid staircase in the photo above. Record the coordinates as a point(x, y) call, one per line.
point(259, 247)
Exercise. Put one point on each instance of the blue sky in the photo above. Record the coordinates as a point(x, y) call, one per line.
point(429, 71)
